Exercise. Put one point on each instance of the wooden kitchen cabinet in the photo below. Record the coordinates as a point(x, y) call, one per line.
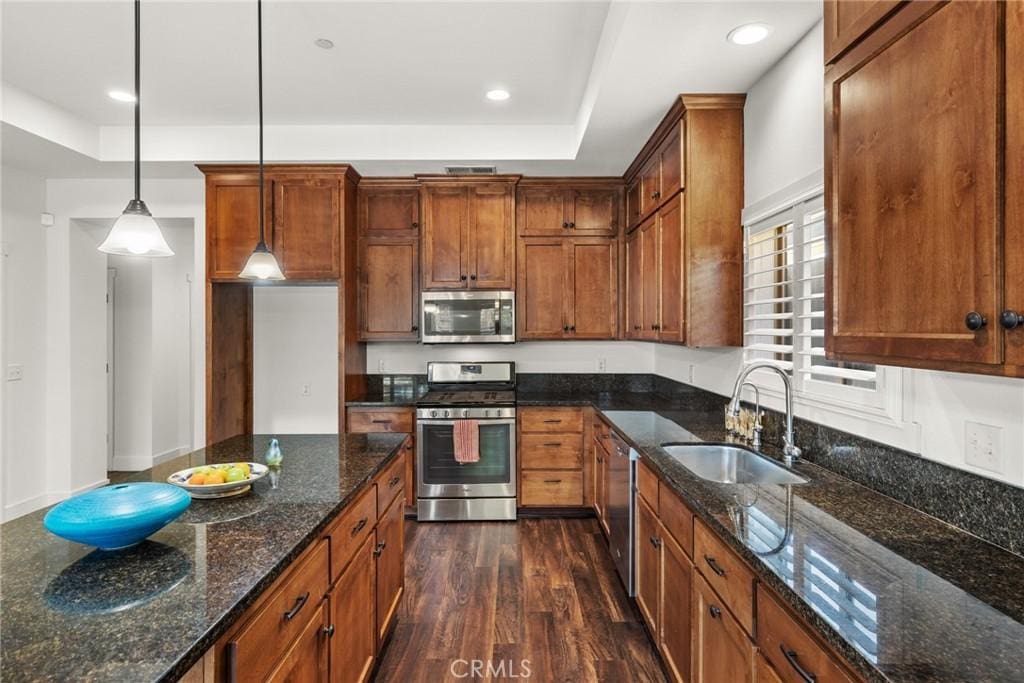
point(633, 208)
point(649, 281)
point(648, 566)
point(552, 471)
point(568, 288)
point(846, 22)
point(634, 314)
point(307, 225)
point(388, 206)
point(794, 653)
point(354, 644)
point(566, 207)
point(676, 590)
point(468, 234)
point(232, 224)
point(721, 650)
point(1013, 237)
point(307, 660)
point(600, 471)
point(390, 566)
point(912, 189)
point(389, 292)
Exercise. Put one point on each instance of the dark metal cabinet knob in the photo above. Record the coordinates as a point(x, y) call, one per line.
point(415, 328)
point(565, 328)
point(472, 277)
point(1011, 319)
point(572, 225)
point(462, 277)
point(565, 224)
point(572, 328)
point(329, 630)
point(975, 321)
point(415, 224)
point(714, 611)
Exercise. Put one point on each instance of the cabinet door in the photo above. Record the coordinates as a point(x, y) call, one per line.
point(672, 165)
point(232, 227)
point(389, 289)
point(650, 182)
point(677, 585)
point(672, 271)
point(542, 211)
point(390, 565)
point(651, 278)
point(633, 203)
point(306, 662)
point(492, 235)
point(594, 211)
point(307, 227)
point(648, 566)
point(445, 237)
point(846, 22)
point(721, 652)
point(599, 456)
point(592, 301)
point(1013, 241)
point(543, 281)
point(352, 613)
point(634, 286)
point(764, 673)
point(912, 189)
point(388, 209)
point(606, 486)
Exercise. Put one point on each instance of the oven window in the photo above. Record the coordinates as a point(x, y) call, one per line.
point(439, 459)
point(467, 317)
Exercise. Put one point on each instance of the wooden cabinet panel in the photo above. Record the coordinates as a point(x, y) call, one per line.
point(763, 671)
point(388, 209)
point(548, 420)
point(726, 572)
point(492, 235)
point(650, 185)
point(633, 203)
point(543, 280)
point(232, 207)
point(676, 518)
point(594, 211)
point(647, 485)
point(307, 226)
point(352, 528)
point(551, 452)
point(671, 276)
point(445, 237)
point(650, 277)
point(389, 566)
point(648, 566)
point(389, 289)
point(409, 456)
point(846, 21)
point(1013, 241)
point(369, 420)
point(670, 156)
point(542, 211)
point(306, 661)
point(600, 496)
point(676, 589)
point(354, 642)
point(593, 312)
point(551, 488)
point(721, 652)
point(634, 321)
point(913, 199)
point(390, 485)
point(793, 652)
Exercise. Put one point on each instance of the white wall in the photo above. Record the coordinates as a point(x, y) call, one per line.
point(133, 377)
point(295, 343)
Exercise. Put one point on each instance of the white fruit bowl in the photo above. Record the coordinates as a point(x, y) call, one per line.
point(232, 488)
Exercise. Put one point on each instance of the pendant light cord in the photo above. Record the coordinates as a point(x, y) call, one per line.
point(259, 70)
point(138, 103)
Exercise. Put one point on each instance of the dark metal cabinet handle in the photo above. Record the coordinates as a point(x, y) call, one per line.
point(329, 630)
point(394, 482)
point(655, 541)
point(415, 224)
point(572, 225)
point(600, 459)
point(360, 525)
point(300, 602)
point(565, 328)
point(572, 328)
point(655, 327)
point(381, 422)
point(415, 328)
point(714, 612)
point(715, 567)
point(379, 549)
point(552, 422)
point(975, 321)
point(552, 481)
point(791, 656)
point(553, 444)
point(1011, 319)
point(565, 224)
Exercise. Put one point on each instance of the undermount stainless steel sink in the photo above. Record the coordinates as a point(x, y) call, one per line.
point(730, 464)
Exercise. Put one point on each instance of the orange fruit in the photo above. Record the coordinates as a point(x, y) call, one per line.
point(197, 479)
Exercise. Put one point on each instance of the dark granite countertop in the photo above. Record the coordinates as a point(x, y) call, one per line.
point(392, 391)
point(72, 613)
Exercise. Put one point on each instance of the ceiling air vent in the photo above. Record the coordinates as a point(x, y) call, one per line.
point(470, 170)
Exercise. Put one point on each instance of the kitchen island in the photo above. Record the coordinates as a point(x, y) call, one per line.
point(149, 613)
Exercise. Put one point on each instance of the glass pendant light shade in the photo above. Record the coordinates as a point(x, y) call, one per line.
point(136, 233)
point(261, 265)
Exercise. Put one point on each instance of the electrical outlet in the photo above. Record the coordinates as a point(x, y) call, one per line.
point(306, 389)
point(692, 370)
point(984, 446)
point(15, 372)
point(602, 365)
point(380, 366)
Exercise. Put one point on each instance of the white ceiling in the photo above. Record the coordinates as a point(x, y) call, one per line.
point(401, 91)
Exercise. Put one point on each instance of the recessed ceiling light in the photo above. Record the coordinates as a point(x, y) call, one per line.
point(324, 43)
point(498, 95)
point(748, 34)
point(121, 96)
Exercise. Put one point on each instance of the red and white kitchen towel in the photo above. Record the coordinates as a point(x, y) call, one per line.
point(466, 436)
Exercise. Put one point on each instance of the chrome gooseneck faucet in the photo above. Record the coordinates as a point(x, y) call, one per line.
point(790, 451)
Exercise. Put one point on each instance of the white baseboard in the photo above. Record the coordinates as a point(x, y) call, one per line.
point(42, 500)
point(137, 463)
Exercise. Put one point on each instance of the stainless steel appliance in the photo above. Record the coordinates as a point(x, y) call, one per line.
point(468, 317)
point(622, 511)
point(450, 490)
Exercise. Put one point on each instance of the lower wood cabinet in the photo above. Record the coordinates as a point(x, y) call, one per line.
point(676, 589)
point(599, 449)
point(354, 643)
point(390, 566)
point(722, 651)
point(763, 671)
point(553, 471)
point(648, 566)
point(369, 420)
point(307, 660)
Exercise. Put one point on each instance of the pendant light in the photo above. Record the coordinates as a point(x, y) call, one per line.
point(135, 232)
point(261, 264)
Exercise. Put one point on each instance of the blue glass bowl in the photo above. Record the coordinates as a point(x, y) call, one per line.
point(117, 516)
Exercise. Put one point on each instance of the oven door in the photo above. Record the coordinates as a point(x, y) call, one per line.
point(440, 476)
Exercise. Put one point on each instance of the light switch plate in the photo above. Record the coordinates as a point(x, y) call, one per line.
point(15, 372)
point(306, 389)
point(602, 365)
point(983, 446)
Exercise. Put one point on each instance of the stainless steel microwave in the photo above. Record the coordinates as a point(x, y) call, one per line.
point(468, 317)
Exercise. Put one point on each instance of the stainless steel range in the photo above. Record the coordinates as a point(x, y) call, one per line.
point(446, 488)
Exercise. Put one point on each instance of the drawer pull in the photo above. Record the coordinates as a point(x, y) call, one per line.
point(381, 422)
point(715, 567)
point(300, 602)
point(552, 422)
point(359, 525)
point(791, 656)
point(553, 445)
point(379, 549)
point(655, 541)
point(395, 480)
point(552, 481)
point(329, 630)
point(714, 612)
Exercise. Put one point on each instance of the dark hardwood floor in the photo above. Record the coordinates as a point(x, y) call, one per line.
point(542, 590)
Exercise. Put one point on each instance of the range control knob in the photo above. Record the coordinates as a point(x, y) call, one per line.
point(433, 413)
point(447, 413)
point(487, 413)
point(465, 412)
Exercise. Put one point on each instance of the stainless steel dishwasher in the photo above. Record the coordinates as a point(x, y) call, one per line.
point(622, 510)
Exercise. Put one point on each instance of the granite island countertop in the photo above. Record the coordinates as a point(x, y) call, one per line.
point(148, 613)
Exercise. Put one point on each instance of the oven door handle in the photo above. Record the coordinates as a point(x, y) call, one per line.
point(482, 420)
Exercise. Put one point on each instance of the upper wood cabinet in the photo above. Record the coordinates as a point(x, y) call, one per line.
point(846, 21)
point(307, 226)
point(567, 288)
point(568, 207)
point(660, 176)
point(915, 274)
point(1013, 231)
point(468, 233)
point(388, 206)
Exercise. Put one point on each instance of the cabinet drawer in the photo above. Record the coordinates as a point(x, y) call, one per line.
point(677, 518)
point(726, 573)
point(546, 420)
point(366, 420)
point(553, 488)
point(254, 651)
point(647, 485)
point(351, 528)
point(552, 452)
point(793, 652)
point(390, 484)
